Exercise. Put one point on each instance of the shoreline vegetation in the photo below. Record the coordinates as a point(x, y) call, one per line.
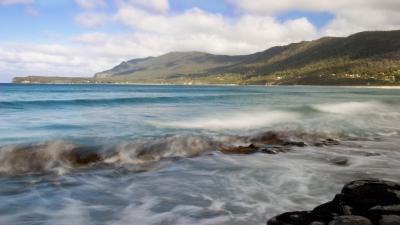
point(362, 59)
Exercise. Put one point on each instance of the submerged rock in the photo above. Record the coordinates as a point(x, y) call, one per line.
point(82, 156)
point(327, 142)
point(240, 150)
point(294, 143)
point(361, 202)
point(268, 138)
point(274, 149)
point(340, 161)
point(268, 142)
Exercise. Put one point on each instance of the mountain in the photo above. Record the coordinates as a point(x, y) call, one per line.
point(366, 58)
point(173, 64)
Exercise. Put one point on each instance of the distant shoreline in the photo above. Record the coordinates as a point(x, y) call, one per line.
point(222, 85)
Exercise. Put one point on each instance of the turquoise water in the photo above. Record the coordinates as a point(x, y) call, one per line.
point(159, 145)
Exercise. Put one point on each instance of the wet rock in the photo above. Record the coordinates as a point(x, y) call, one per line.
point(292, 218)
point(240, 150)
point(82, 156)
point(268, 138)
point(390, 220)
point(327, 142)
point(340, 161)
point(361, 202)
point(317, 223)
point(369, 154)
point(387, 209)
point(294, 143)
point(350, 220)
point(274, 149)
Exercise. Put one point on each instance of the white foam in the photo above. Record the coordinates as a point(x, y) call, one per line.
point(249, 120)
point(351, 107)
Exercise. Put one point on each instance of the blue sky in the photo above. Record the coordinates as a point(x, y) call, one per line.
point(81, 37)
point(56, 18)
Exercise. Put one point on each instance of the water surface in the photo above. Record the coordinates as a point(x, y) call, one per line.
point(159, 145)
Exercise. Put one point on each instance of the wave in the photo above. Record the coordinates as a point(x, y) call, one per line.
point(352, 108)
point(61, 157)
point(249, 120)
point(312, 116)
point(111, 101)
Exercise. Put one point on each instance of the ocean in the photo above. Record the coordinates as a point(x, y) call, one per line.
point(153, 155)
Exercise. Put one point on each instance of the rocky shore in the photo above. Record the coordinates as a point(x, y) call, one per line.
point(361, 202)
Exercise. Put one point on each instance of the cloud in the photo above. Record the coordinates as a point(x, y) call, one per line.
point(350, 21)
point(273, 7)
point(12, 2)
point(350, 16)
point(53, 60)
point(151, 5)
point(91, 4)
point(91, 19)
point(199, 30)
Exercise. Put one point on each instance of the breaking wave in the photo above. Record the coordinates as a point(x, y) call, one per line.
point(60, 157)
point(314, 117)
point(353, 108)
point(237, 121)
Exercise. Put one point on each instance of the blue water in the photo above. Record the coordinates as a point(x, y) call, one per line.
point(159, 148)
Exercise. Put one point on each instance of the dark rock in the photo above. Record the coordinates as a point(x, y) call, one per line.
point(386, 209)
point(294, 143)
point(317, 223)
point(292, 218)
point(361, 202)
point(390, 220)
point(274, 149)
point(82, 156)
point(240, 150)
point(327, 142)
point(268, 138)
point(350, 220)
point(369, 154)
point(340, 160)
point(363, 195)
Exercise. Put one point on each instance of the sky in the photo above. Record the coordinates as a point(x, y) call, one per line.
point(82, 37)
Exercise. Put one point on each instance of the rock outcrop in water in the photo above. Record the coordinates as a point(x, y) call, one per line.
point(267, 142)
point(361, 202)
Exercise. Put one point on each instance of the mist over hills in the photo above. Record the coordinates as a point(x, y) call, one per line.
point(366, 58)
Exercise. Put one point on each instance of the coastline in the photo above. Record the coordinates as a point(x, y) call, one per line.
point(221, 85)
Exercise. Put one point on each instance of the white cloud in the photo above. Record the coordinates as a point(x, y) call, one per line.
point(54, 60)
point(91, 4)
point(352, 21)
point(349, 16)
point(196, 29)
point(91, 19)
point(12, 2)
point(273, 7)
point(152, 5)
